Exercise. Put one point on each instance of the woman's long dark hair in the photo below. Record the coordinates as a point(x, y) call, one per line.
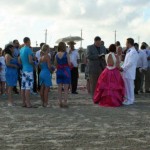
point(7, 49)
point(62, 47)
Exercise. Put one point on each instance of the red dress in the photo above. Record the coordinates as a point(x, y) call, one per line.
point(110, 88)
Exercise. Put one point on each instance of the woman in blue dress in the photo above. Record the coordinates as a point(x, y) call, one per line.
point(11, 72)
point(63, 74)
point(44, 77)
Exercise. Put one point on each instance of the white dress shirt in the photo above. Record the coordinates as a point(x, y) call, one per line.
point(130, 64)
point(37, 55)
point(74, 56)
point(2, 60)
point(147, 52)
point(142, 60)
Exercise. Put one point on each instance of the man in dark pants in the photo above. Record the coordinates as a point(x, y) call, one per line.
point(34, 90)
point(16, 55)
point(141, 68)
point(74, 79)
point(74, 58)
point(96, 62)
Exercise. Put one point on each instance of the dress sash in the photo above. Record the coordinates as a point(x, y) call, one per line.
point(62, 67)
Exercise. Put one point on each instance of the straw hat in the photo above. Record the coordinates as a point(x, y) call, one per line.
point(71, 43)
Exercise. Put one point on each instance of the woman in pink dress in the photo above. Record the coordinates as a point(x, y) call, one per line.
point(110, 88)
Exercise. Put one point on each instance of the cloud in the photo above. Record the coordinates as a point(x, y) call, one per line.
point(66, 17)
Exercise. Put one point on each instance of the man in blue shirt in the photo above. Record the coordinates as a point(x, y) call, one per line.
point(26, 59)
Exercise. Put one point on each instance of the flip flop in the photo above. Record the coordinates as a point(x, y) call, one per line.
point(29, 107)
point(60, 105)
point(66, 106)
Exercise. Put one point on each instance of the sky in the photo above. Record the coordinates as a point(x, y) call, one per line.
point(61, 18)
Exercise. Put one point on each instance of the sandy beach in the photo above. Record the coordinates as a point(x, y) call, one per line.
point(83, 126)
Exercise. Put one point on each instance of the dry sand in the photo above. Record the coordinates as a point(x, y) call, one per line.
point(83, 126)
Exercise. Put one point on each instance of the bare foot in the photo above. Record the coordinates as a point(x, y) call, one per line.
point(65, 105)
point(60, 104)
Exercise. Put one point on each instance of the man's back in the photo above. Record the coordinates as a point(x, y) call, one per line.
point(25, 52)
point(142, 60)
point(130, 63)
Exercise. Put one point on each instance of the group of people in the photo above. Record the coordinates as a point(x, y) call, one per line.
point(115, 75)
point(20, 63)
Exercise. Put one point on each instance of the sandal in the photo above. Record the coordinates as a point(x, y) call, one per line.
point(60, 104)
point(29, 106)
point(24, 105)
point(47, 106)
point(65, 105)
point(11, 105)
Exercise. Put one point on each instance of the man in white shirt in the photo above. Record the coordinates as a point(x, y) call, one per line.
point(128, 71)
point(146, 49)
point(141, 68)
point(74, 59)
point(147, 75)
point(37, 55)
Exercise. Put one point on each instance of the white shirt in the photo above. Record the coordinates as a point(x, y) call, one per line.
point(147, 52)
point(37, 55)
point(49, 55)
point(130, 64)
point(142, 60)
point(2, 60)
point(74, 56)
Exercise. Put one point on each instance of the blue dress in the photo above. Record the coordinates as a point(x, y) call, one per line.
point(63, 74)
point(45, 75)
point(12, 73)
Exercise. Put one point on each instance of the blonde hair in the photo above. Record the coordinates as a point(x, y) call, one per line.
point(44, 49)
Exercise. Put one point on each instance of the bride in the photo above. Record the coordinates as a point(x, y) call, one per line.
point(110, 88)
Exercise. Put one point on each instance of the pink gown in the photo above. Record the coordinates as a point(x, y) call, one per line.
point(110, 88)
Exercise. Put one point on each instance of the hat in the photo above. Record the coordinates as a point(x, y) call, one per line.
point(71, 42)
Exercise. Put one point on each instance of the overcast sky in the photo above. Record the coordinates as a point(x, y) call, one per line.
point(18, 18)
